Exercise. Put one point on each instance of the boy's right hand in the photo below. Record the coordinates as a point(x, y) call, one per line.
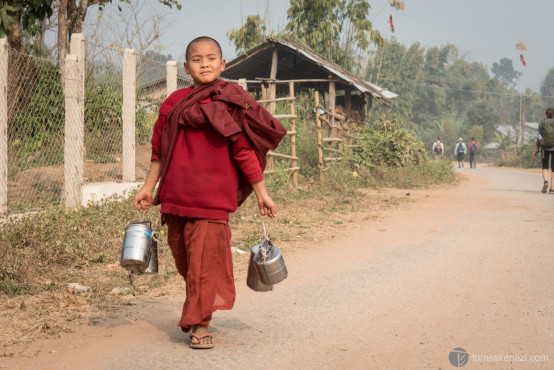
point(143, 200)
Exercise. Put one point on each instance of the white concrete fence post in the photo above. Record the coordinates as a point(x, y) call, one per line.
point(242, 83)
point(3, 126)
point(171, 76)
point(128, 113)
point(74, 148)
point(78, 46)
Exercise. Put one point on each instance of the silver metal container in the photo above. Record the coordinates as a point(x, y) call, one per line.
point(253, 278)
point(270, 264)
point(137, 254)
point(153, 262)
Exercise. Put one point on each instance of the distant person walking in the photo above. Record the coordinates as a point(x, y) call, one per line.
point(460, 149)
point(438, 149)
point(473, 147)
point(546, 143)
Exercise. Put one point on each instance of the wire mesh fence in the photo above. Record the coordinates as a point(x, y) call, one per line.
point(103, 117)
point(35, 117)
point(67, 127)
point(36, 123)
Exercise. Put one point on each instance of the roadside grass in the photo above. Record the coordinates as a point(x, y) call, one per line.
point(43, 253)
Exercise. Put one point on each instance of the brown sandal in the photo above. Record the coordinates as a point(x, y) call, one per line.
point(201, 345)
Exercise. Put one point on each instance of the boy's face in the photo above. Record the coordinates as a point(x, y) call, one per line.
point(204, 63)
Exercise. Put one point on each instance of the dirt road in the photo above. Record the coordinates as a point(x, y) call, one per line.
point(468, 267)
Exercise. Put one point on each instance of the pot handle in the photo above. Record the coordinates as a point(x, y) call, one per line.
point(264, 249)
point(142, 220)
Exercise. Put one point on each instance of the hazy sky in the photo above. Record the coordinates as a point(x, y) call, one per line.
point(483, 30)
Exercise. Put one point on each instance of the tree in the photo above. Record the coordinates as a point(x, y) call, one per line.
point(356, 37)
point(431, 97)
point(137, 25)
point(19, 16)
point(249, 35)
point(400, 68)
point(336, 29)
point(479, 115)
point(71, 18)
point(24, 15)
point(505, 72)
point(316, 23)
point(547, 85)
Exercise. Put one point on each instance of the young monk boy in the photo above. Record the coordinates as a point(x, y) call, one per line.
point(208, 157)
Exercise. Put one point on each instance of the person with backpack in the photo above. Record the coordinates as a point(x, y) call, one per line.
point(460, 149)
point(546, 143)
point(438, 149)
point(473, 147)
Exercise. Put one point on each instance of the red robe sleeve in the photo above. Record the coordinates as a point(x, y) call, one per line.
point(247, 160)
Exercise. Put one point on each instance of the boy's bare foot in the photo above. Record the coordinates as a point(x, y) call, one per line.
point(200, 338)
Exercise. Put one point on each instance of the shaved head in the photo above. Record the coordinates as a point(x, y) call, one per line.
point(202, 39)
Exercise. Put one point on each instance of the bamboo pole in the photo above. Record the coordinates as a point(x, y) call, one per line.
point(272, 80)
point(338, 116)
point(273, 75)
point(332, 97)
point(270, 165)
point(319, 142)
point(286, 156)
point(285, 116)
point(276, 100)
point(293, 162)
point(3, 126)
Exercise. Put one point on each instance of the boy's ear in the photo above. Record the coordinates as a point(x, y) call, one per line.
point(222, 65)
point(186, 68)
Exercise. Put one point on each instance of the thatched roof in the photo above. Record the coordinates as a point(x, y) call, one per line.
point(297, 61)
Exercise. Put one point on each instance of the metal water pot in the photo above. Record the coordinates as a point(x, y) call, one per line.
point(153, 262)
point(253, 278)
point(139, 251)
point(270, 264)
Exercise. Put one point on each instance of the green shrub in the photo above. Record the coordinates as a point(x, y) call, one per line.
point(527, 160)
point(387, 144)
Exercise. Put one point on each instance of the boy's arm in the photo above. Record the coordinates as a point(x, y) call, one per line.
point(143, 199)
point(250, 167)
point(265, 203)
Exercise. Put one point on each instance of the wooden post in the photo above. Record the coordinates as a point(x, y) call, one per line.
point(3, 126)
point(171, 76)
point(332, 98)
point(365, 107)
point(270, 165)
point(348, 100)
point(293, 162)
point(319, 142)
point(265, 96)
point(128, 114)
point(74, 134)
point(273, 76)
